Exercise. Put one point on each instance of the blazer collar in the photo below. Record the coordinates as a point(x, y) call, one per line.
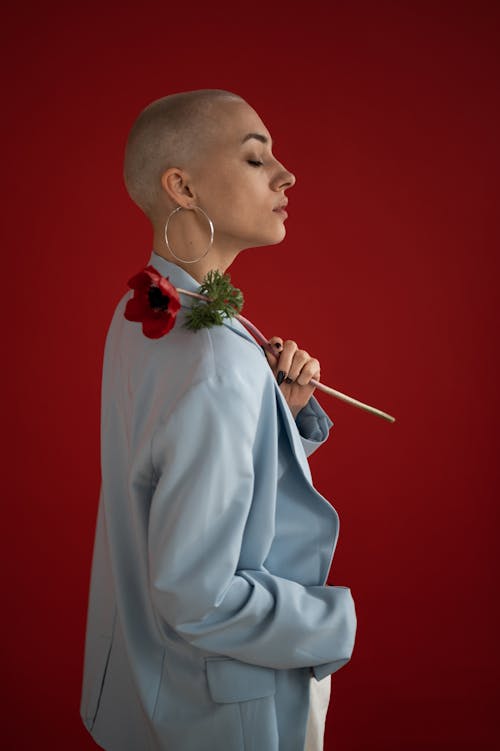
point(181, 278)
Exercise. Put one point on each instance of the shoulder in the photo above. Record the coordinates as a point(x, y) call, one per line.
point(167, 367)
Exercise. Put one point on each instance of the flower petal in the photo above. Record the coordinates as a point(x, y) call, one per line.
point(156, 326)
point(155, 322)
point(140, 281)
point(154, 276)
point(170, 323)
point(137, 308)
point(168, 289)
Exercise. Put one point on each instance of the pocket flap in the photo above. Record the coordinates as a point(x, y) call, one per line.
point(231, 680)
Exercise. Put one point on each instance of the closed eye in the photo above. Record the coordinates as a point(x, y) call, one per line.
point(255, 163)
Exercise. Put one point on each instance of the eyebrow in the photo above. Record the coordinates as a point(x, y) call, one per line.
point(258, 136)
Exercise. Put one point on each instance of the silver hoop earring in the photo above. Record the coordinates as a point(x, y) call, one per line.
point(185, 260)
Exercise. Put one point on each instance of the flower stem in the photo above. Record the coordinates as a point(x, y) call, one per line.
point(321, 386)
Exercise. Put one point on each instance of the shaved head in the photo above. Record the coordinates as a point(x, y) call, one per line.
point(174, 131)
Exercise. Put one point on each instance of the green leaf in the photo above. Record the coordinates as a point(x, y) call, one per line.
point(225, 302)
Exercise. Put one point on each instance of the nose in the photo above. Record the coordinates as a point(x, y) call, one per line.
point(286, 179)
point(291, 179)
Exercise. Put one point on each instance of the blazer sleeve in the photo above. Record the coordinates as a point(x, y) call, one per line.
point(314, 425)
point(204, 456)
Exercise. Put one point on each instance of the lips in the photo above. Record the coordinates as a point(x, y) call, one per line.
point(280, 208)
point(281, 205)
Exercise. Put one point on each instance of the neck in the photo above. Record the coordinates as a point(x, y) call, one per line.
point(215, 259)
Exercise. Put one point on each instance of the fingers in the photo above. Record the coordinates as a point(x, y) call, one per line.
point(286, 359)
point(277, 343)
point(297, 365)
point(311, 369)
point(303, 368)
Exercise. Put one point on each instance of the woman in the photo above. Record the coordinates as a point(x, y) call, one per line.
point(210, 626)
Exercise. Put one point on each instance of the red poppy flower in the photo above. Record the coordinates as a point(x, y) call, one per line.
point(155, 302)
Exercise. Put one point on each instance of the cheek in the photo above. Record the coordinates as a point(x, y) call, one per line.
point(233, 199)
point(232, 202)
point(224, 194)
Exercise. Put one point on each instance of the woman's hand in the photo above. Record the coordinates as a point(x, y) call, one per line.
point(297, 368)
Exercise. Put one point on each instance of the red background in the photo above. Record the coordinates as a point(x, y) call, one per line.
point(387, 113)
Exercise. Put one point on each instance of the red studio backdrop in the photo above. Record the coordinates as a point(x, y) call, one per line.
point(387, 113)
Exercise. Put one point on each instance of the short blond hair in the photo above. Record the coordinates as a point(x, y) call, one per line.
point(170, 132)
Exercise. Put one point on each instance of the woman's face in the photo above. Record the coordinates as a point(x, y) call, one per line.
point(239, 182)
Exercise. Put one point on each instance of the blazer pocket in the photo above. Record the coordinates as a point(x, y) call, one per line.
point(231, 680)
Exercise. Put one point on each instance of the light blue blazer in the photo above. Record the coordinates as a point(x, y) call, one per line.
point(208, 605)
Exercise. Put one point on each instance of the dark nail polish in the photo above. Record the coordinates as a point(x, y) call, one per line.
point(288, 380)
point(281, 376)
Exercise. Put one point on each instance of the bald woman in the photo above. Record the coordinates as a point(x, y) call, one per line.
point(210, 625)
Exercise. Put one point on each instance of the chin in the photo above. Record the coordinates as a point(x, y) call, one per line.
point(275, 235)
point(278, 236)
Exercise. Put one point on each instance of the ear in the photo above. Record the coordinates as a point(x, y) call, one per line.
point(174, 182)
